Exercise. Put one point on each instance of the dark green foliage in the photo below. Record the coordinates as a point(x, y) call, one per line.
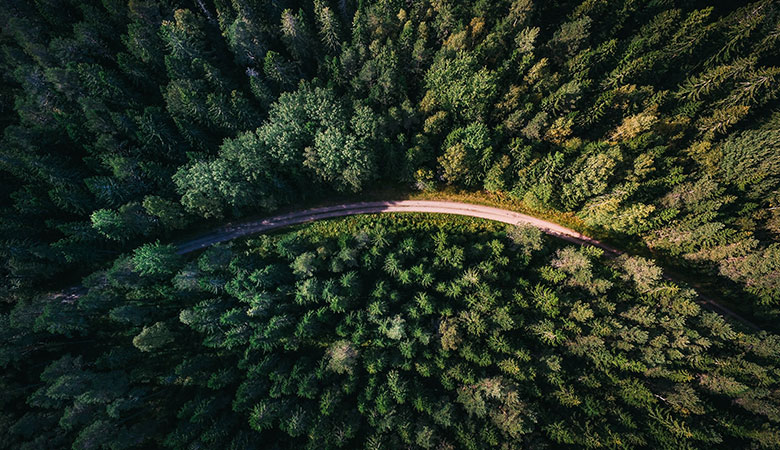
point(655, 123)
point(397, 331)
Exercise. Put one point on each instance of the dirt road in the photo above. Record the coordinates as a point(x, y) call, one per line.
point(230, 232)
point(422, 206)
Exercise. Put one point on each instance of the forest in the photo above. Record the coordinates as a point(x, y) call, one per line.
point(127, 124)
point(392, 333)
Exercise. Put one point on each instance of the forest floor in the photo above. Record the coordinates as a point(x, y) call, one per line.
point(233, 231)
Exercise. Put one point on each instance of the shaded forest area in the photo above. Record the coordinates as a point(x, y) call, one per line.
point(654, 121)
point(387, 332)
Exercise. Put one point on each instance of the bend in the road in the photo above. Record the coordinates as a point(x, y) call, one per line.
point(231, 232)
point(227, 233)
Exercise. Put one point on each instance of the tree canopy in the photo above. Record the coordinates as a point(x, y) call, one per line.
point(394, 331)
point(128, 124)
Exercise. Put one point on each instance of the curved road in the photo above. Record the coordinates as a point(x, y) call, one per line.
point(230, 232)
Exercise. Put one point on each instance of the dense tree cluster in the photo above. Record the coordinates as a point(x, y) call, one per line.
point(126, 122)
point(652, 121)
point(386, 333)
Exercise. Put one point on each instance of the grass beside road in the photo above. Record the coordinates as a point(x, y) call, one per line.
point(503, 201)
point(707, 283)
point(404, 192)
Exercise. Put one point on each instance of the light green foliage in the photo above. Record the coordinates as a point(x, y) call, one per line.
point(572, 36)
point(459, 85)
point(588, 179)
point(108, 223)
point(468, 155)
point(641, 271)
point(448, 329)
point(611, 211)
point(129, 222)
point(153, 338)
point(341, 357)
point(528, 238)
point(295, 34)
point(759, 271)
point(751, 160)
point(526, 38)
point(307, 129)
point(329, 26)
point(342, 158)
point(207, 185)
point(304, 264)
point(155, 259)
